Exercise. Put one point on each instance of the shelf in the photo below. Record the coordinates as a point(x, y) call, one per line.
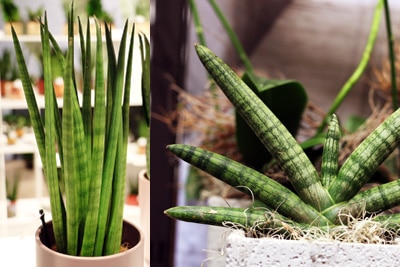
point(116, 35)
point(27, 144)
point(24, 145)
point(20, 103)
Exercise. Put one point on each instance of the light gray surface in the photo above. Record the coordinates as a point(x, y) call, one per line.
point(241, 251)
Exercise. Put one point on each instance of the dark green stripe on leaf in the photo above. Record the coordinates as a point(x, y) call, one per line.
point(274, 136)
point(248, 219)
point(367, 157)
point(330, 153)
point(236, 174)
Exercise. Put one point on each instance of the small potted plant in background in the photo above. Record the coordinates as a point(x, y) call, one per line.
point(33, 24)
point(22, 122)
point(87, 190)
point(12, 16)
point(142, 15)
point(6, 73)
point(12, 191)
point(10, 129)
point(16, 124)
point(10, 82)
point(95, 9)
point(16, 84)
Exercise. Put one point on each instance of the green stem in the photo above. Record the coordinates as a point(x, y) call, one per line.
point(360, 68)
point(144, 45)
point(197, 24)
point(233, 37)
point(202, 40)
point(392, 56)
point(392, 61)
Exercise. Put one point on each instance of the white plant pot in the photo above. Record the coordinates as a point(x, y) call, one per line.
point(144, 205)
point(47, 257)
point(243, 251)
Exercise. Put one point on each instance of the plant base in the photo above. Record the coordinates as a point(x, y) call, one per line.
point(133, 257)
point(11, 209)
point(243, 251)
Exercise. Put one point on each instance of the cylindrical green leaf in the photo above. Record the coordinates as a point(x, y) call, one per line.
point(248, 219)
point(273, 194)
point(366, 158)
point(330, 154)
point(275, 137)
point(373, 200)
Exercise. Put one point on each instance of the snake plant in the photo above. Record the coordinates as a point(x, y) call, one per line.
point(286, 98)
point(320, 199)
point(89, 134)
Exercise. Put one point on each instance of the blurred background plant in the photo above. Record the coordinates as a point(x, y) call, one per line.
point(12, 184)
point(10, 11)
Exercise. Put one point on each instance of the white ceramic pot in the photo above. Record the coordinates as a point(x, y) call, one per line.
point(144, 205)
point(133, 257)
point(243, 251)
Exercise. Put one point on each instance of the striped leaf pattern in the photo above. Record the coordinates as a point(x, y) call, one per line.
point(321, 200)
point(374, 200)
point(87, 194)
point(259, 219)
point(271, 132)
point(330, 153)
point(366, 158)
point(236, 174)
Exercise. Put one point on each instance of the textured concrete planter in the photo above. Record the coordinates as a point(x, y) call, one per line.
point(242, 251)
